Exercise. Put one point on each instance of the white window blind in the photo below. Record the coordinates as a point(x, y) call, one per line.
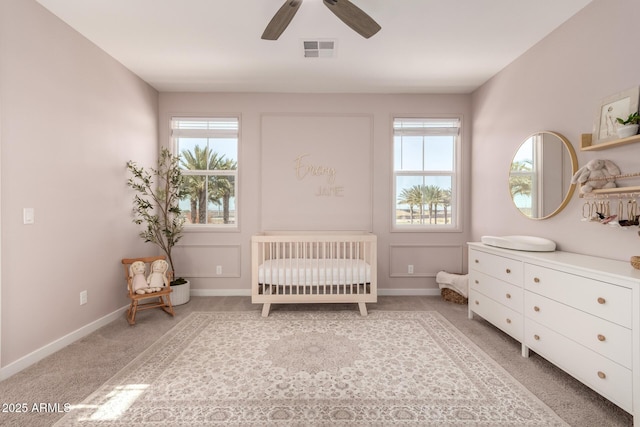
point(425, 127)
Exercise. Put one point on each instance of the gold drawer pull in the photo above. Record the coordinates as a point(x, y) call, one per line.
point(601, 337)
point(509, 321)
point(508, 296)
point(536, 337)
point(477, 282)
point(536, 280)
point(602, 375)
point(508, 270)
point(601, 300)
point(477, 262)
point(536, 308)
point(477, 302)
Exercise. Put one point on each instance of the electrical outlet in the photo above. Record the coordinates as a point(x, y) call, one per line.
point(410, 269)
point(218, 270)
point(28, 216)
point(83, 297)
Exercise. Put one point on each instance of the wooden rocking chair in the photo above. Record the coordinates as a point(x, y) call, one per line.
point(159, 299)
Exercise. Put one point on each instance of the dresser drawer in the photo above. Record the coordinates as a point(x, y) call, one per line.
point(502, 292)
point(606, 338)
point(606, 377)
point(506, 269)
point(605, 300)
point(497, 314)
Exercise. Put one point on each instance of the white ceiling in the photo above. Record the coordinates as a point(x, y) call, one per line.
point(425, 46)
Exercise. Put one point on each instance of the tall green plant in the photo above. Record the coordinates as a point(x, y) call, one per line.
point(159, 191)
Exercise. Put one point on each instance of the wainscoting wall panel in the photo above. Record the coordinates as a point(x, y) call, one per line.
point(426, 260)
point(208, 261)
point(316, 172)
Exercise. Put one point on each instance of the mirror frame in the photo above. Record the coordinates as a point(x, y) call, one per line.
point(574, 169)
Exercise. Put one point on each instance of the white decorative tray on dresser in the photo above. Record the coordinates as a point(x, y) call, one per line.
point(581, 313)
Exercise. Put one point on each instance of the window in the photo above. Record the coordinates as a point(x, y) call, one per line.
point(208, 150)
point(425, 173)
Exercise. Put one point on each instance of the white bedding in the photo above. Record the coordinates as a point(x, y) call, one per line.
point(314, 272)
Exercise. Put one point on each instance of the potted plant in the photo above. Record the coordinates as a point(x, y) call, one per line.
point(629, 126)
point(156, 206)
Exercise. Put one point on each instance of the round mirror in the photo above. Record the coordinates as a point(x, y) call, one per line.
point(540, 175)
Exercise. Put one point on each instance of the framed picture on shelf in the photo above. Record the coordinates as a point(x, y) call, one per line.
point(619, 105)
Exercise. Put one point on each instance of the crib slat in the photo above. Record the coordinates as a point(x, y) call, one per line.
point(274, 256)
point(347, 255)
point(358, 268)
point(267, 279)
point(330, 270)
point(294, 280)
point(340, 260)
point(316, 264)
point(287, 268)
point(347, 266)
point(267, 274)
point(279, 279)
point(262, 249)
point(350, 261)
point(305, 257)
point(325, 279)
point(364, 279)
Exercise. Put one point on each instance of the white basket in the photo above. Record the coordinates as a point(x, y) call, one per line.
point(181, 293)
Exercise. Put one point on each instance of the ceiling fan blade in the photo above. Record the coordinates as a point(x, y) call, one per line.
point(354, 17)
point(281, 19)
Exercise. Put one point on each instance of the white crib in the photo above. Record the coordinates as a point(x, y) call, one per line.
point(314, 267)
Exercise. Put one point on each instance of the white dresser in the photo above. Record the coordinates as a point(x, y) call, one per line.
point(581, 313)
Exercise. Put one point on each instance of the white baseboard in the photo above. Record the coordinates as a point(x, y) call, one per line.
point(409, 292)
point(39, 354)
point(220, 292)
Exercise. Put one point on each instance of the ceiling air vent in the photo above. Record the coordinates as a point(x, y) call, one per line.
point(318, 48)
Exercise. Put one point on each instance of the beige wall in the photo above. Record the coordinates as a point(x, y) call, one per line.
point(591, 59)
point(428, 252)
point(71, 118)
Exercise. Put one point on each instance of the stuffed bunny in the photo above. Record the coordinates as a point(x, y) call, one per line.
point(597, 173)
point(138, 282)
point(158, 277)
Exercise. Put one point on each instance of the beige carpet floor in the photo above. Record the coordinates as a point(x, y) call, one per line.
point(74, 373)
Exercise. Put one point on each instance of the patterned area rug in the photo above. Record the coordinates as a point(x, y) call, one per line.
point(312, 368)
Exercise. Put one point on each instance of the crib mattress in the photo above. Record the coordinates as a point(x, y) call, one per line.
point(314, 272)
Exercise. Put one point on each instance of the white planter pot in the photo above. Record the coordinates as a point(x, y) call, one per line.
point(181, 293)
point(626, 131)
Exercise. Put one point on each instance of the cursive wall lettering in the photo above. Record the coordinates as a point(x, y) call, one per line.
point(305, 169)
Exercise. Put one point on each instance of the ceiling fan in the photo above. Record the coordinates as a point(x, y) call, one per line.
point(348, 13)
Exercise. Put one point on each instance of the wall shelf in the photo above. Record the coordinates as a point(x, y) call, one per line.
point(587, 140)
point(603, 192)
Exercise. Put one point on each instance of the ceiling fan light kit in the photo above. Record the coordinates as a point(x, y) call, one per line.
point(346, 11)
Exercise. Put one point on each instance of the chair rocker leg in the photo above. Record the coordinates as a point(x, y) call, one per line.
point(131, 313)
point(167, 307)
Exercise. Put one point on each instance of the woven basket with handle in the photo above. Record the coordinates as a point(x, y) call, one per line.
point(452, 296)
